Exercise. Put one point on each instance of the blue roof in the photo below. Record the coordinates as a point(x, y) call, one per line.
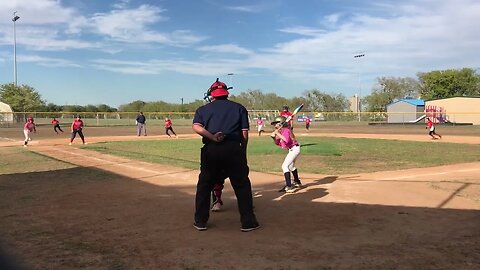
point(416, 102)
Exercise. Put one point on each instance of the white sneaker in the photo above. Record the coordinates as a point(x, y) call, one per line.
point(69, 143)
point(85, 143)
point(24, 145)
point(216, 207)
point(290, 189)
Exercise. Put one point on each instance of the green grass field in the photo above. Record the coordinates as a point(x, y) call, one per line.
point(319, 154)
point(19, 160)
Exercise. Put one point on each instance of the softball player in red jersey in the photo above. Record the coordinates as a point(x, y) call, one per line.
point(28, 128)
point(168, 127)
point(286, 113)
point(56, 125)
point(77, 127)
point(431, 128)
point(307, 123)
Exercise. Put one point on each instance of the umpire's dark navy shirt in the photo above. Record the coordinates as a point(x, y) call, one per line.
point(223, 115)
point(141, 119)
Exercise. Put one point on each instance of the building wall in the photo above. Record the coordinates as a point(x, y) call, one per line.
point(459, 109)
point(354, 103)
point(403, 112)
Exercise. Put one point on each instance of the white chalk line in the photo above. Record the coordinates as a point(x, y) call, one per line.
point(115, 163)
point(432, 174)
point(8, 139)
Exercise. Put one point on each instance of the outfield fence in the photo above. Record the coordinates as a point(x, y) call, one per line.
point(185, 118)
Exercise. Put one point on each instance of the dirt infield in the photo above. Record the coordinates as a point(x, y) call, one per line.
point(115, 213)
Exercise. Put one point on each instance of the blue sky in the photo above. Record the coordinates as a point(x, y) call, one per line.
point(115, 52)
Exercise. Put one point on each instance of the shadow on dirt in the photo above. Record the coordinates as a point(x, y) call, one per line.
point(91, 219)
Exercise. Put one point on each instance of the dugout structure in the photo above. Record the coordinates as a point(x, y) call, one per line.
point(6, 114)
point(405, 110)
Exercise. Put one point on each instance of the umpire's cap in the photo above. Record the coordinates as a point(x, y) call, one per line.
point(218, 89)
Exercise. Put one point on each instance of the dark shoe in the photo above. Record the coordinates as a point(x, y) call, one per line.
point(297, 184)
point(200, 226)
point(282, 189)
point(249, 228)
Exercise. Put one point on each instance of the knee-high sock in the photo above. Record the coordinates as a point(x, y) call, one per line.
point(288, 180)
point(295, 176)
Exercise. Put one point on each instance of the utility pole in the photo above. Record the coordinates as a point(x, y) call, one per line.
point(359, 104)
point(15, 18)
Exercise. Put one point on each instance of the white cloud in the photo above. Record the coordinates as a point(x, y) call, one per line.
point(121, 4)
point(46, 61)
point(303, 31)
point(38, 18)
point(124, 24)
point(419, 36)
point(36, 11)
point(204, 68)
point(416, 38)
point(247, 9)
point(226, 48)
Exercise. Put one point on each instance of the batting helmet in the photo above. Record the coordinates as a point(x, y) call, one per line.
point(278, 119)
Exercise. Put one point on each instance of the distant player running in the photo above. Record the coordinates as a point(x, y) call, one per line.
point(56, 125)
point(28, 128)
point(431, 127)
point(77, 128)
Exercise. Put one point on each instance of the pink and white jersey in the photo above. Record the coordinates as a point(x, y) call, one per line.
point(260, 122)
point(289, 143)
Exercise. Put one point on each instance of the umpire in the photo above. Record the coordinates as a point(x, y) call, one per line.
point(223, 125)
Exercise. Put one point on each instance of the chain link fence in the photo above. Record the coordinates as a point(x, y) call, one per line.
point(8, 119)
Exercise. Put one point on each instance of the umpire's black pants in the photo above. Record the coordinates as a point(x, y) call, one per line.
point(217, 160)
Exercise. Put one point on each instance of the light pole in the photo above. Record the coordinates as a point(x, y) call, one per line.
point(359, 102)
point(14, 19)
point(230, 81)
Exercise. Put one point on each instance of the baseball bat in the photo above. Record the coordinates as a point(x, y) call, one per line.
point(297, 109)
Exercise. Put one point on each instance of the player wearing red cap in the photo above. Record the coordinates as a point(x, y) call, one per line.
point(77, 128)
point(56, 125)
point(286, 113)
point(28, 128)
point(223, 125)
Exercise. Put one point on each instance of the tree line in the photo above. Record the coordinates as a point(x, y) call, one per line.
point(428, 85)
